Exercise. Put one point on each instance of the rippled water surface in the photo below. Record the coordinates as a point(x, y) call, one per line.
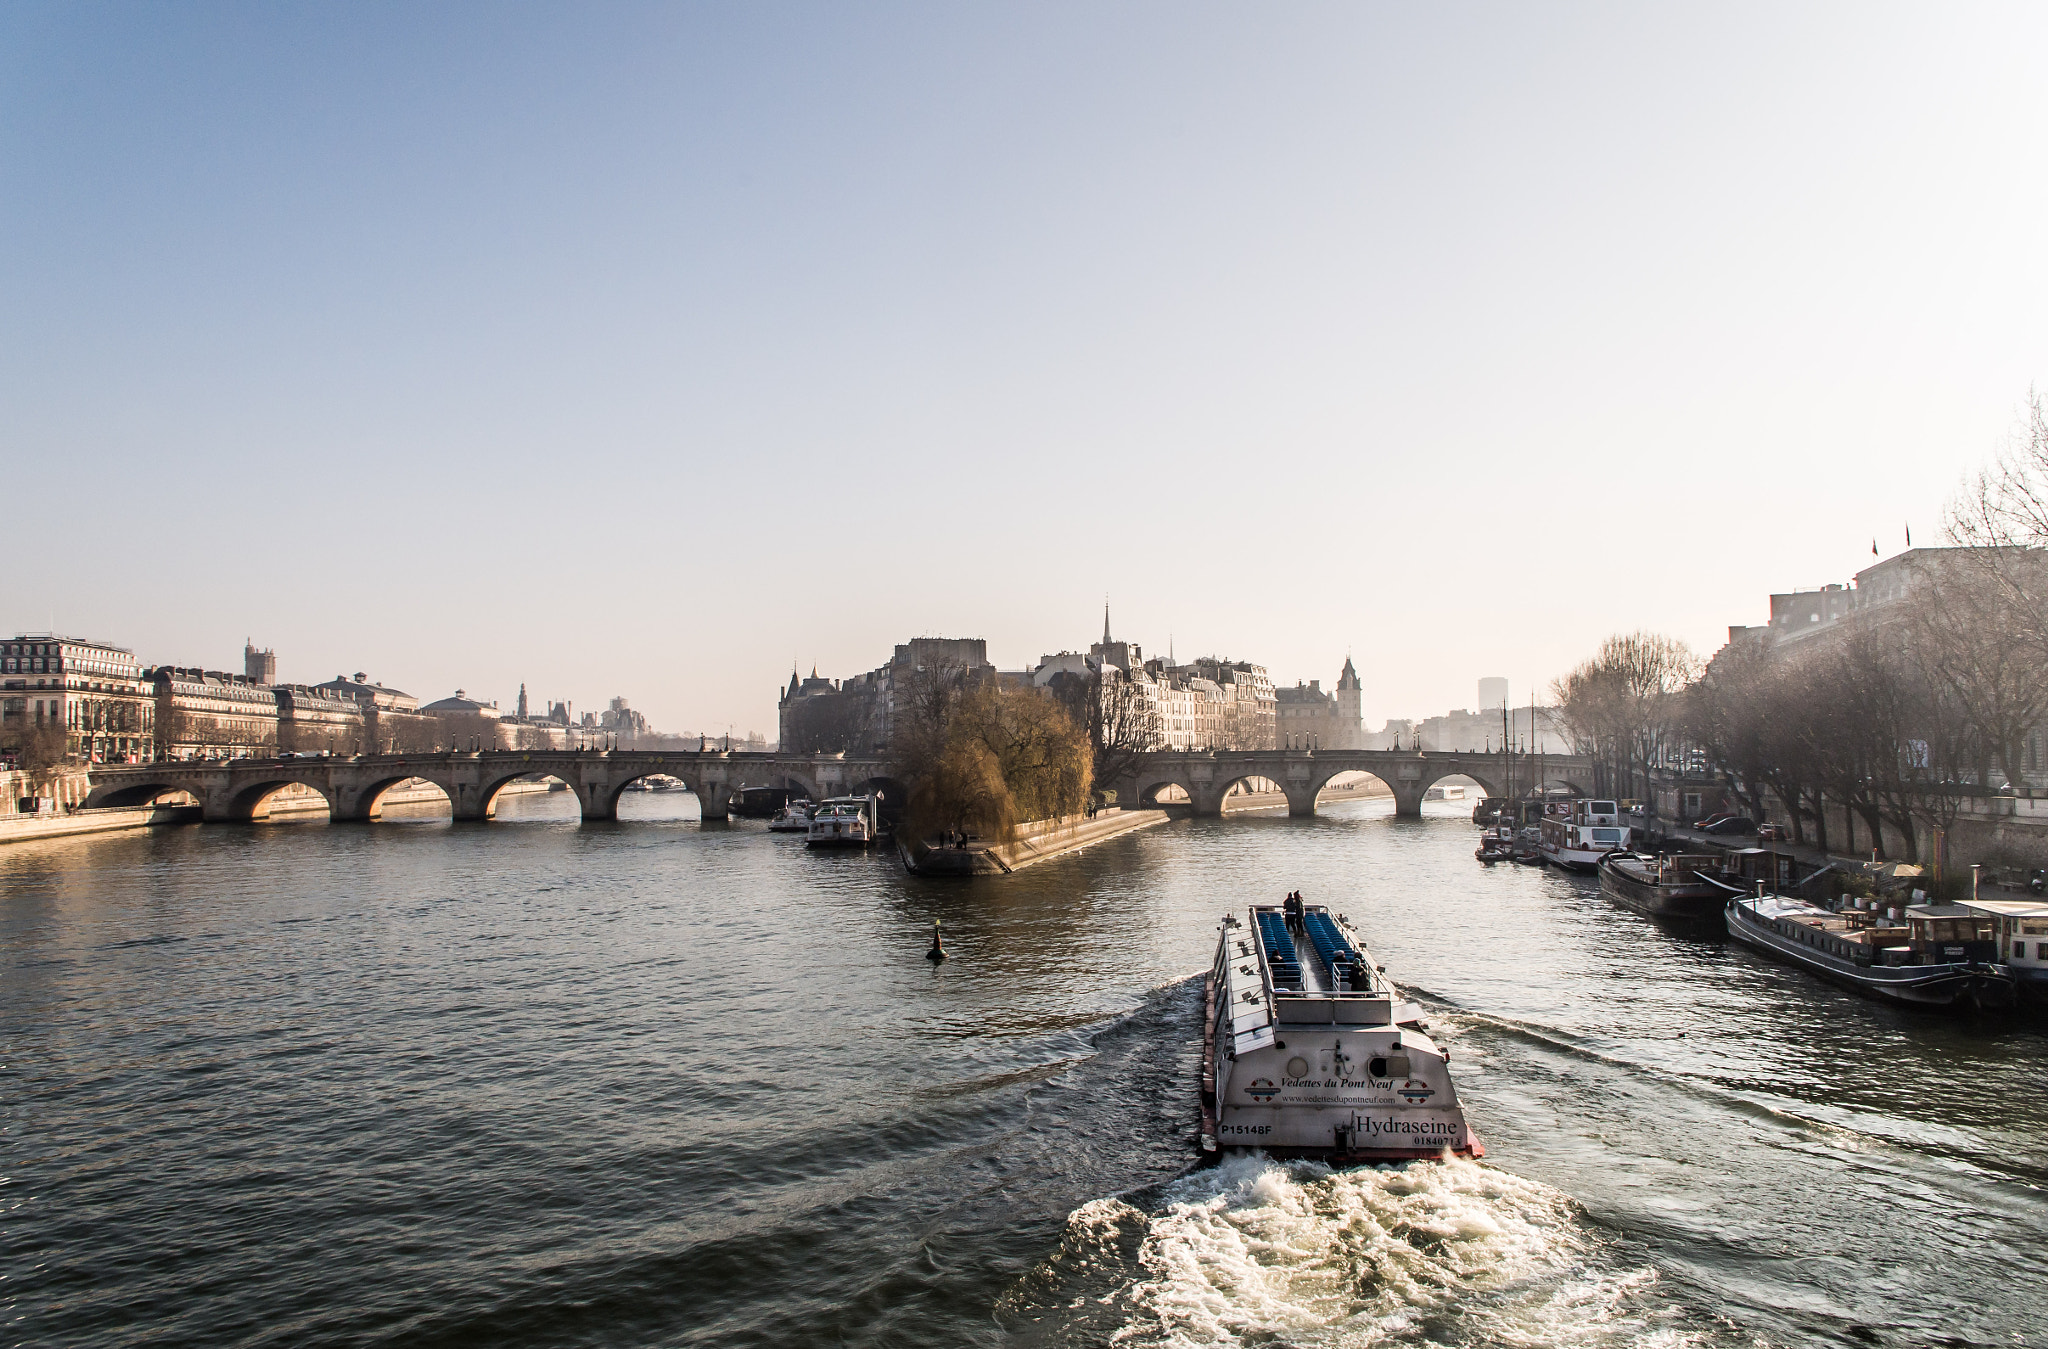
point(657, 1083)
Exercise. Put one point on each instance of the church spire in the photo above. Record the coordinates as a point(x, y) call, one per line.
point(1105, 622)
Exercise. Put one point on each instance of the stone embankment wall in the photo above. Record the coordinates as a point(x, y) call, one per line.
point(69, 787)
point(1996, 830)
point(1037, 841)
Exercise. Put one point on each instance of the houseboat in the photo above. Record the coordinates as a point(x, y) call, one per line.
point(2019, 934)
point(759, 803)
point(842, 822)
point(1582, 833)
point(1309, 1051)
point(1940, 955)
point(1687, 886)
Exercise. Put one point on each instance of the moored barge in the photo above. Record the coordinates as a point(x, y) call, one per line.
point(1315, 1053)
point(1935, 960)
point(1676, 886)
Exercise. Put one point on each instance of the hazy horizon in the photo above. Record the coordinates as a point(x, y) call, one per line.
point(649, 351)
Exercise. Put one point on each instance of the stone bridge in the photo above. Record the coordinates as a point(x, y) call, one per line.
point(1207, 777)
point(235, 789)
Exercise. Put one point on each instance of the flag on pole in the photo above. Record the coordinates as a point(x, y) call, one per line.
point(1909, 536)
point(1873, 547)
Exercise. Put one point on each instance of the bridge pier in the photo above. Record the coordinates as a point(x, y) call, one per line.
point(598, 800)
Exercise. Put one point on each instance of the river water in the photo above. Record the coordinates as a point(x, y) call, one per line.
point(656, 1083)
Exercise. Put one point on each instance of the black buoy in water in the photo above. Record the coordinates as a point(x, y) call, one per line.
point(938, 951)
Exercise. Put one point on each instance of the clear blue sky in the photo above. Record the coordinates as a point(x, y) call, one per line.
point(641, 350)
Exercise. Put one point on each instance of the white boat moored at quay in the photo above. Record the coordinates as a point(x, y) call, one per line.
point(1319, 1055)
point(842, 822)
point(1587, 832)
point(793, 818)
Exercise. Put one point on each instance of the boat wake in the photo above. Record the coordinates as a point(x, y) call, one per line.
point(1256, 1251)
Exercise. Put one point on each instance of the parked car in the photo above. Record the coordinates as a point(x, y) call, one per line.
point(1712, 820)
point(1771, 833)
point(1732, 824)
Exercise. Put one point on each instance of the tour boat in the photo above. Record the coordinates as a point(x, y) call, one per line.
point(842, 822)
point(1935, 960)
point(794, 818)
point(1578, 839)
point(1665, 887)
point(1316, 1054)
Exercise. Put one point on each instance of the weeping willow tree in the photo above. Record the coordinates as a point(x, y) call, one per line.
point(983, 759)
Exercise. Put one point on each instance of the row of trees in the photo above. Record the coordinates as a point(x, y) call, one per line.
point(1891, 717)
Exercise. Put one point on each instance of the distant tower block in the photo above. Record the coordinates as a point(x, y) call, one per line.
point(1493, 693)
point(260, 666)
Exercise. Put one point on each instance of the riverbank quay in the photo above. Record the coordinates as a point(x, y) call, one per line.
point(23, 828)
point(1899, 880)
point(1038, 841)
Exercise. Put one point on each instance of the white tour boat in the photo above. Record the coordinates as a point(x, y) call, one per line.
point(1319, 1055)
point(1580, 837)
point(842, 822)
point(794, 818)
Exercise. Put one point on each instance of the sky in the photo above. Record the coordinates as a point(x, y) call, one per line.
point(653, 350)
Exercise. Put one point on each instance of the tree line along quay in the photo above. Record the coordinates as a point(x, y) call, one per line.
point(1898, 717)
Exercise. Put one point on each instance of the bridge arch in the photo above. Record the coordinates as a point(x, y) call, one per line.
point(140, 794)
point(251, 800)
point(1322, 780)
point(894, 795)
point(493, 784)
point(1147, 791)
point(368, 803)
point(603, 801)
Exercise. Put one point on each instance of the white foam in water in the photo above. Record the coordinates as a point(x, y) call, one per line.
point(1452, 1251)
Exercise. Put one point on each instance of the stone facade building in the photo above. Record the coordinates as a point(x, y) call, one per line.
point(208, 714)
point(1309, 718)
point(313, 719)
point(858, 714)
point(93, 691)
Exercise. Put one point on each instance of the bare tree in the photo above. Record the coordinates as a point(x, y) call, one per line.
point(40, 750)
point(1120, 720)
point(1625, 704)
point(1729, 713)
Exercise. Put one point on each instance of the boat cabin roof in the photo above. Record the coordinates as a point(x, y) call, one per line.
point(1780, 906)
point(2006, 908)
point(1939, 911)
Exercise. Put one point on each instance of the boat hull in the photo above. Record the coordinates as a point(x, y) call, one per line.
point(1951, 986)
point(1691, 902)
